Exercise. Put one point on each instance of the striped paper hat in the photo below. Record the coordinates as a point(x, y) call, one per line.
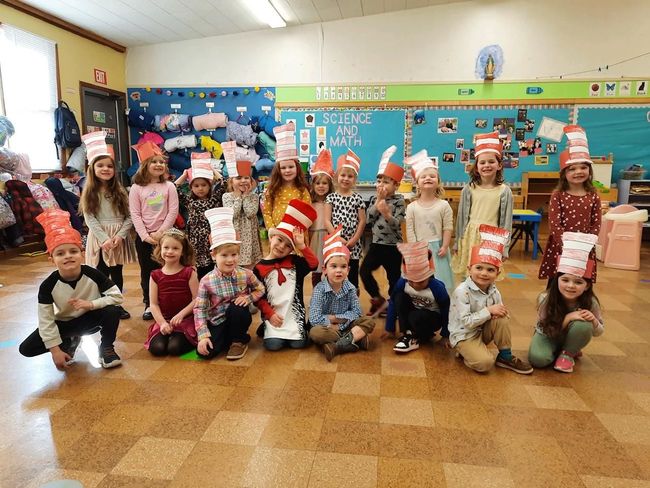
point(235, 168)
point(349, 160)
point(222, 229)
point(419, 162)
point(388, 168)
point(58, 230)
point(577, 146)
point(334, 245)
point(201, 169)
point(488, 143)
point(146, 150)
point(298, 214)
point(285, 142)
point(323, 165)
point(493, 243)
point(417, 262)
point(576, 248)
point(96, 146)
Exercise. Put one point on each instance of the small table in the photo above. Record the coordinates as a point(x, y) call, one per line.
point(529, 226)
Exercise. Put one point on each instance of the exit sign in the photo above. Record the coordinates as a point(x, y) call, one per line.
point(100, 76)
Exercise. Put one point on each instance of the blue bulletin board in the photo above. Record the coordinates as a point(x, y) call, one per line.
point(447, 133)
point(367, 131)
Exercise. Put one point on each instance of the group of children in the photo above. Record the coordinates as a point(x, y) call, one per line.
point(200, 290)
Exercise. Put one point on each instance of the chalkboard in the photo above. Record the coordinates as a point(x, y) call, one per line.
point(368, 132)
point(442, 131)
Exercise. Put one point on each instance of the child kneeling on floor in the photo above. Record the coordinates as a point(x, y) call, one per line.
point(221, 314)
point(334, 310)
point(74, 300)
point(477, 315)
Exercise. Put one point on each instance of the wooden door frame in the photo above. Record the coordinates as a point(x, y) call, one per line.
point(83, 84)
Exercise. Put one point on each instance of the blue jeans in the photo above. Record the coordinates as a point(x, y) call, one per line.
point(275, 343)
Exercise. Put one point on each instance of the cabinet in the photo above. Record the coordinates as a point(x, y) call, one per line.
point(637, 193)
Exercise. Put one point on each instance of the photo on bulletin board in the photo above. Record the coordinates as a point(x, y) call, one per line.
point(464, 156)
point(506, 141)
point(418, 117)
point(510, 160)
point(449, 157)
point(529, 125)
point(522, 115)
point(460, 143)
point(504, 125)
point(480, 123)
point(447, 125)
point(520, 134)
point(541, 160)
point(551, 148)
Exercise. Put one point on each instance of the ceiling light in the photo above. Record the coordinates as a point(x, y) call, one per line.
point(265, 12)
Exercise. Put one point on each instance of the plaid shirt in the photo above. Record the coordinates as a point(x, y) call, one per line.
point(217, 292)
point(325, 301)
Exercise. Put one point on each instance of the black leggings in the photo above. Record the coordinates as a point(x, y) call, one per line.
point(353, 275)
point(147, 265)
point(233, 329)
point(112, 272)
point(380, 255)
point(422, 323)
point(174, 344)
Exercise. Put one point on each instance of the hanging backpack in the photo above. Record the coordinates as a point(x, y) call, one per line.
point(66, 129)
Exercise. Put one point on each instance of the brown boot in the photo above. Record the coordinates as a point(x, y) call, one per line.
point(343, 345)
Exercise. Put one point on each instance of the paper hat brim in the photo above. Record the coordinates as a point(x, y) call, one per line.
point(394, 171)
point(486, 255)
point(566, 266)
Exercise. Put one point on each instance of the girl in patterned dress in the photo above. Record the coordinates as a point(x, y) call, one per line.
point(574, 205)
point(322, 185)
point(486, 200)
point(345, 207)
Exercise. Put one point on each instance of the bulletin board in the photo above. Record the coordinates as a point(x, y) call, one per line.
point(447, 133)
point(367, 131)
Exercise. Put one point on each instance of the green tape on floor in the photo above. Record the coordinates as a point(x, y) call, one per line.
point(191, 356)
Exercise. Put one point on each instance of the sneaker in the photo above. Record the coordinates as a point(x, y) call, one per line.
point(124, 314)
point(375, 305)
point(406, 343)
point(564, 363)
point(515, 364)
point(237, 351)
point(71, 348)
point(147, 315)
point(108, 357)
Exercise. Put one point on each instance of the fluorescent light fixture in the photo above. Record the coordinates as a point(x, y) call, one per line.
point(265, 12)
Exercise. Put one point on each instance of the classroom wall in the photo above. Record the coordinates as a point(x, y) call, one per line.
point(77, 56)
point(439, 43)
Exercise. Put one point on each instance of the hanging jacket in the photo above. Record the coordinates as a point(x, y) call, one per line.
point(68, 201)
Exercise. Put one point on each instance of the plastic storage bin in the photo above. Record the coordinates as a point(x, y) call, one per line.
point(620, 237)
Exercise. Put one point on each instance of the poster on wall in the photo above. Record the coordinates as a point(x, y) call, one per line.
point(641, 88)
point(551, 129)
point(594, 89)
point(447, 125)
point(99, 117)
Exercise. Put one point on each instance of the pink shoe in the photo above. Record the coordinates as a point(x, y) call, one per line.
point(564, 363)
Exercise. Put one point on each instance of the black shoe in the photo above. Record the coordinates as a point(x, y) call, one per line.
point(71, 348)
point(124, 314)
point(147, 315)
point(108, 357)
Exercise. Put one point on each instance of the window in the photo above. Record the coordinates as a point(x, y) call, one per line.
point(28, 87)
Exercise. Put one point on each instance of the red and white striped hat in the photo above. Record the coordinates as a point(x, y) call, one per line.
point(323, 165)
point(201, 169)
point(419, 162)
point(388, 168)
point(488, 143)
point(96, 146)
point(298, 214)
point(235, 167)
point(58, 230)
point(417, 262)
point(576, 248)
point(334, 245)
point(577, 146)
point(222, 229)
point(349, 160)
point(285, 142)
point(493, 243)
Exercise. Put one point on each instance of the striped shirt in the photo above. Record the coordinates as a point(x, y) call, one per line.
point(343, 304)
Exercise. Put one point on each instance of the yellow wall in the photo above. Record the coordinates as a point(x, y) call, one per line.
point(77, 57)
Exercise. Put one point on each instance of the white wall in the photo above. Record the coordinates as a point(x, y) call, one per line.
point(540, 39)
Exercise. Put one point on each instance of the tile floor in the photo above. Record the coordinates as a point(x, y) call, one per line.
point(290, 418)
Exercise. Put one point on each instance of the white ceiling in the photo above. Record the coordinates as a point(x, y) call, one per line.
point(139, 22)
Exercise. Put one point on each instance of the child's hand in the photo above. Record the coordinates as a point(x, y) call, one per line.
point(446, 343)
point(442, 252)
point(166, 329)
point(205, 346)
point(107, 245)
point(79, 304)
point(572, 317)
point(177, 319)
point(382, 207)
point(299, 238)
point(387, 335)
point(156, 236)
point(150, 240)
point(587, 316)
point(499, 310)
point(242, 301)
point(333, 319)
point(60, 358)
point(276, 320)
point(117, 241)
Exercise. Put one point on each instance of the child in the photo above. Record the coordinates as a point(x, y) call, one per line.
point(569, 311)
point(385, 213)
point(419, 300)
point(172, 291)
point(74, 300)
point(105, 207)
point(154, 206)
point(574, 205)
point(283, 275)
point(429, 217)
point(486, 200)
point(322, 185)
point(477, 315)
point(245, 205)
point(345, 207)
point(221, 314)
point(202, 198)
point(287, 179)
point(334, 311)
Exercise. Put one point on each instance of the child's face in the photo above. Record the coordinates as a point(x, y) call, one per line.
point(288, 171)
point(242, 183)
point(67, 258)
point(200, 187)
point(321, 185)
point(104, 169)
point(337, 269)
point(280, 246)
point(488, 165)
point(577, 174)
point(226, 258)
point(346, 179)
point(428, 179)
point(571, 286)
point(387, 184)
point(419, 285)
point(483, 274)
point(171, 250)
point(157, 168)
